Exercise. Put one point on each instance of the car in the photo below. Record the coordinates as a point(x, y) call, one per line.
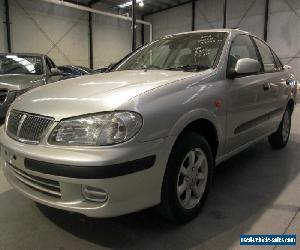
point(298, 91)
point(71, 71)
point(22, 72)
point(106, 69)
point(150, 132)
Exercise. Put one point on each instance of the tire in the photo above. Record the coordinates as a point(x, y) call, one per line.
point(280, 138)
point(180, 174)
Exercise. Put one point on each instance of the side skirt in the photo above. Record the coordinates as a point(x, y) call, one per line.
point(225, 157)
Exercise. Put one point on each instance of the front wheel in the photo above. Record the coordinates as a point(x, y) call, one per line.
point(281, 137)
point(187, 178)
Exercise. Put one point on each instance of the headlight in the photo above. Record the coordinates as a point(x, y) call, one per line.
point(97, 129)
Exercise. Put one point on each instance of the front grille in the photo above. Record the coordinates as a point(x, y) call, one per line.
point(27, 128)
point(3, 95)
point(45, 186)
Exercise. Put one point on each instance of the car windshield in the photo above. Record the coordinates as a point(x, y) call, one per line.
point(17, 64)
point(185, 52)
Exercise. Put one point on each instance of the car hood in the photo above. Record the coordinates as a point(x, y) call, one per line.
point(94, 93)
point(17, 82)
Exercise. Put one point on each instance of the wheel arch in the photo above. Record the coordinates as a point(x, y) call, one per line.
point(202, 122)
point(291, 104)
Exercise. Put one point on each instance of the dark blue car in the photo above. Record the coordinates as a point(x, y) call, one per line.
point(70, 71)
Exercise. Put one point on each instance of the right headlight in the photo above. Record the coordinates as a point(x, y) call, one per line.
point(97, 129)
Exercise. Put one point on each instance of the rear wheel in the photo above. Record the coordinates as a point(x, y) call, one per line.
point(281, 137)
point(187, 178)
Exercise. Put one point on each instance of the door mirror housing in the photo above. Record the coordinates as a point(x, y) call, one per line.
point(245, 66)
point(55, 72)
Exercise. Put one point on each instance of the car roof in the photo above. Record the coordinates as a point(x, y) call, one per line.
point(22, 54)
point(211, 30)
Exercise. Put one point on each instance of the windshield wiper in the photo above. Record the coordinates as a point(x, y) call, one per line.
point(150, 66)
point(189, 68)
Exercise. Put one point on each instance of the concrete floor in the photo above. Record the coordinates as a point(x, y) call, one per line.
point(255, 192)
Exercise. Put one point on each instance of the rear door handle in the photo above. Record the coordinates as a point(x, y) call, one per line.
point(266, 86)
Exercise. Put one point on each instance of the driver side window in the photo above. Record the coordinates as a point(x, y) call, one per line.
point(241, 47)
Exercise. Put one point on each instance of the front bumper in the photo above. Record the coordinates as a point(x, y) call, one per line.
point(49, 182)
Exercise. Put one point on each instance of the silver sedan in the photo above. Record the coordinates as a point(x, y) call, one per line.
point(151, 131)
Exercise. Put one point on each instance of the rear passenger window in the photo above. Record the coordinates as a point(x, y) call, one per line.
point(266, 56)
point(241, 47)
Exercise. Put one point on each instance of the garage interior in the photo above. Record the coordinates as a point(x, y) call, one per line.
point(257, 191)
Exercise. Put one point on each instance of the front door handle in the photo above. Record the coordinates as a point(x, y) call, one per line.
point(266, 86)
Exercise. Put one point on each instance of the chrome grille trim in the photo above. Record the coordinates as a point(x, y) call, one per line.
point(26, 127)
point(42, 185)
point(3, 95)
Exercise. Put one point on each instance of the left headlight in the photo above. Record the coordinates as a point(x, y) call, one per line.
point(97, 129)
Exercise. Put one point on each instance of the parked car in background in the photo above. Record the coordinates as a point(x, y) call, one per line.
point(22, 72)
point(151, 131)
point(71, 71)
point(298, 91)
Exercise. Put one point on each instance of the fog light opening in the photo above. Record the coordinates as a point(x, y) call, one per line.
point(94, 194)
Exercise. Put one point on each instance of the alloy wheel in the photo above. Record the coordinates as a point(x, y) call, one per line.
point(286, 126)
point(192, 178)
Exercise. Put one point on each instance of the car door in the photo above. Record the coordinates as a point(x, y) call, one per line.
point(276, 82)
point(245, 98)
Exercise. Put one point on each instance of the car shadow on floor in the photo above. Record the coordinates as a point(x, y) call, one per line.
point(244, 186)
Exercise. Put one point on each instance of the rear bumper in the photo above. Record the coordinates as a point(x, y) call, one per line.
point(131, 175)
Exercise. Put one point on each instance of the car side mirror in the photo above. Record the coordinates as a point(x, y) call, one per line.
point(55, 72)
point(245, 66)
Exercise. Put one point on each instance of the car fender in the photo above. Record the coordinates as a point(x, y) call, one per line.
point(192, 116)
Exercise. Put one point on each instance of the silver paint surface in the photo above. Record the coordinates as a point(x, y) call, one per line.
point(168, 101)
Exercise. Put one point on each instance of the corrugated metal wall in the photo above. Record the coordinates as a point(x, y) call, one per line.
point(174, 20)
point(247, 15)
point(112, 38)
point(284, 31)
point(2, 27)
point(63, 34)
point(283, 28)
point(209, 14)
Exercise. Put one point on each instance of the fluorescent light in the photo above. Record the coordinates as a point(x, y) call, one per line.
point(11, 56)
point(129, 3)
